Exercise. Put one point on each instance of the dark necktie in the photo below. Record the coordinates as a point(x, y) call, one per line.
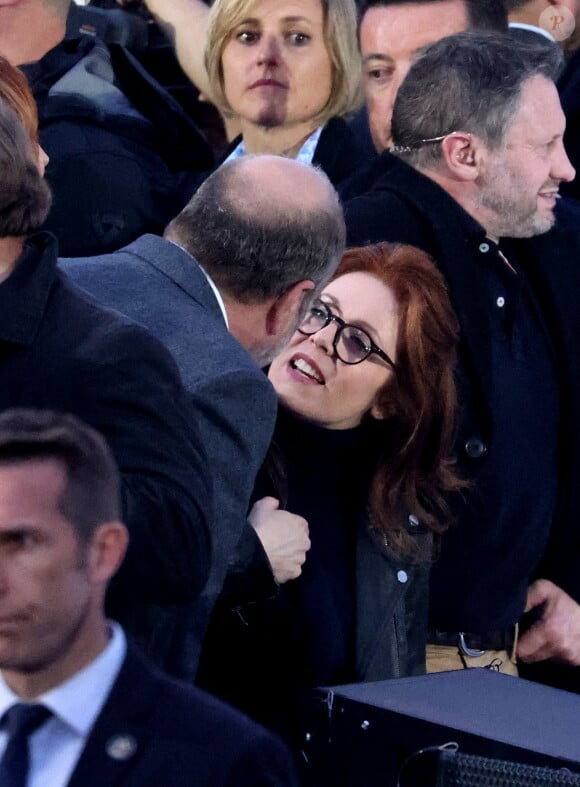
point(20, 721)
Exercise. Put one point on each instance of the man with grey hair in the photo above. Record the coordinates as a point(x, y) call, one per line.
point(478, 133)
point(224, 290)
point(391, 35)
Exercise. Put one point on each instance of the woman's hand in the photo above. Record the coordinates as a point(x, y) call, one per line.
point(284, 537)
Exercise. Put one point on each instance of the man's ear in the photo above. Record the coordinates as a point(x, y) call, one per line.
point(285, 312)
point(462, 154)
point(107, 549)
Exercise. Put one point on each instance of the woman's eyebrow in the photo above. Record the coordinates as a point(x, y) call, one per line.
point(331, 301)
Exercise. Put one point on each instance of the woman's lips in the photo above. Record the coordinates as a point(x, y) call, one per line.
point(267, 83)
point(303, 369)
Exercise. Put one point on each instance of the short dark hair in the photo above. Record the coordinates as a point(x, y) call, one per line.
point(468, 82)
point(92, 492)
point(256, 254)
point(481, 14)
point(511, 5)
point(24, 195)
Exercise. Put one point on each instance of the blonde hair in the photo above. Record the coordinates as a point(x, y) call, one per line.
point(340, 20)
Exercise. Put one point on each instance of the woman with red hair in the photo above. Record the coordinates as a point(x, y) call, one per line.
point(365, 435)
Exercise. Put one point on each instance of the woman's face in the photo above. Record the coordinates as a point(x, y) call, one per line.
point(314, 383)
point(276, 68)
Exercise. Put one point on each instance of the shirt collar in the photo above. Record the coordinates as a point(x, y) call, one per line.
point(217, 294)
point(533, 29)
point(78, 701)
point(304, 155)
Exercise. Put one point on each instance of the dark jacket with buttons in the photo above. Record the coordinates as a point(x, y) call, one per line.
point(405, 206)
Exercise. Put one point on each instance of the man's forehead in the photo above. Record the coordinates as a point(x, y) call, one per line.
point(538, 113)
point(408, 27)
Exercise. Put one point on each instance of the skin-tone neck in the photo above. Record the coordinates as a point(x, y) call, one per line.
point(247, 324)
point(26, 34)
point(90, 641)
point(467, 195)
point(10, 251)
point(279, 140)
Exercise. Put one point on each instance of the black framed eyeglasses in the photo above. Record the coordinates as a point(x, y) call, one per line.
point(351, 344)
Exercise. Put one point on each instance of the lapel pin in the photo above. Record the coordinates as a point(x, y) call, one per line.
point(121, 747)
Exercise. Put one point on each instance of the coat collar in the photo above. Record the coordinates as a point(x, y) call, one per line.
point(180, 267)
point(121, 733)
point(24, 294)
point(339, 153)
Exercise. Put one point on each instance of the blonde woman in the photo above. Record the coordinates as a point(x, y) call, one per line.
point(287, 71)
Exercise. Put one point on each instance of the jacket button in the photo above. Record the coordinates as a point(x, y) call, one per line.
point(475, 448)
point(484, 248)
point(402, 576)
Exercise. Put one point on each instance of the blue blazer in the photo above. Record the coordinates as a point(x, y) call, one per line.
point(154, 731)
point(161, 286)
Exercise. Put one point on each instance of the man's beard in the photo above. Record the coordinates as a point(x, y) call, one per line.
point(515, 218)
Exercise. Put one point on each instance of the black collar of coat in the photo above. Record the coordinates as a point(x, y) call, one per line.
point(24, 294)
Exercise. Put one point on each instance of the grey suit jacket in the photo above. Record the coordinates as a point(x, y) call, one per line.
point(161, 286)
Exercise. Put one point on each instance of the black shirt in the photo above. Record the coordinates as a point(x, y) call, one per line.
point(481, 579)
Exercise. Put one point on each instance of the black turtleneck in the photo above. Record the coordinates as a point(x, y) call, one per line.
point(328, 475)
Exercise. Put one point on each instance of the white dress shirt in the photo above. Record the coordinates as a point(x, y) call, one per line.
point(57, 745)
point(533, 29)
point(304, 155)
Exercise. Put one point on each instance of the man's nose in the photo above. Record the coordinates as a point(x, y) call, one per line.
point(562, 168)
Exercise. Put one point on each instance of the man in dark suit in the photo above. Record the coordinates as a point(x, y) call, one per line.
point(224, 290)
point(478, 129)
point(60, 350)
point(78, 705)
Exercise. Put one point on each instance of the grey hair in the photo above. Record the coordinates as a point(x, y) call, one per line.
point(252, 247)
point(467, 82)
